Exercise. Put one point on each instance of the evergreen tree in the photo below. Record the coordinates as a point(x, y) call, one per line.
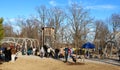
point(1, 29)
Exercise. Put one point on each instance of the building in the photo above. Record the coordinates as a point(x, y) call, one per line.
point(48, 36)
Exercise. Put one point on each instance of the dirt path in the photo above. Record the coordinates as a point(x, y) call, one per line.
point(37, 63)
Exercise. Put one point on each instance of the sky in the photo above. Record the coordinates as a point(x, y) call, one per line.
point(100, 9)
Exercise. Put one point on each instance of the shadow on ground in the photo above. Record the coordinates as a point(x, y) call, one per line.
point(77, 63)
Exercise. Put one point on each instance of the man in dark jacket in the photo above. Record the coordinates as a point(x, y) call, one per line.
point(119, 54)
point(56, 53)
point(66, 53)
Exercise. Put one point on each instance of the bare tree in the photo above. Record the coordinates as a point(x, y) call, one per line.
point(78, 18)
point(56, 17)
point(29, 27)
point(8, 29)
point(42, 12)
point(115, 22)
point(101, 33)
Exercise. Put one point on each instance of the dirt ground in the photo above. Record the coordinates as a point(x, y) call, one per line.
point(37, 63)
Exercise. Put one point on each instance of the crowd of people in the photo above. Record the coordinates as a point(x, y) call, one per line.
point(8, 52)
point(62, 52)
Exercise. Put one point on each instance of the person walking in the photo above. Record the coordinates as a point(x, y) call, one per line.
point(48, 51)
point(13, 55)
point(66, 53)
point(56, 53)
point(119, 54)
